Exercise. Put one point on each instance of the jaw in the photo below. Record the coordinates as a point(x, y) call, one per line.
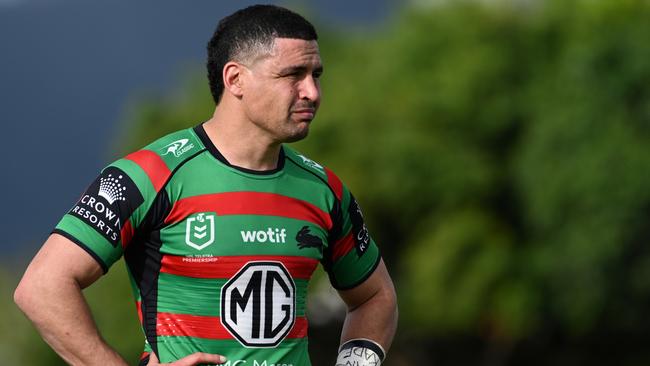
point(299, 132)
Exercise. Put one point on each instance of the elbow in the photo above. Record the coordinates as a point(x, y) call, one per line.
point(387, 299)
point(390, 297)
point(392, 301)
point(26, 296)
point(22, 296)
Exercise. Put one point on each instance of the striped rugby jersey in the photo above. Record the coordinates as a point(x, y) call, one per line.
point(219, 257)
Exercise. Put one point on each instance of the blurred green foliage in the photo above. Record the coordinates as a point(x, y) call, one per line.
point(500, 152)
point(113, 309)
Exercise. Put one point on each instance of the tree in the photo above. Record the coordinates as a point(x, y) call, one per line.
point(500, 155)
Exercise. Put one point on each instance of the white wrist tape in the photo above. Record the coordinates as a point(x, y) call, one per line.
point(360, 352)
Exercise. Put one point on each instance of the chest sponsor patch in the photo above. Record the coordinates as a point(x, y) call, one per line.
point(258, 304)
point(108, 203)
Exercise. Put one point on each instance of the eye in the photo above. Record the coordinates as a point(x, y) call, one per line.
point(293, 75)
point(317, 74)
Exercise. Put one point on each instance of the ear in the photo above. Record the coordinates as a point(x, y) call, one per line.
point(232, 78)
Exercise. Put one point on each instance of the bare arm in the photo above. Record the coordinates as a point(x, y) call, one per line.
point(372, 309)
point(50, 295)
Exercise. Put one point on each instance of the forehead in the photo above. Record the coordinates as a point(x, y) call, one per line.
point(294, 52)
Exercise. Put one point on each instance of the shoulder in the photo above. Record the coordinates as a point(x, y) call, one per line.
point(163, 156)
point(321, 172)
point(157, 161)
point(173, 148)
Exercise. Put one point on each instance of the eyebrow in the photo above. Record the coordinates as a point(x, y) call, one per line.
point(299, 69)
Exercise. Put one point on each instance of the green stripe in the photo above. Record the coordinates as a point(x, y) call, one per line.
point(351, 268)
point(229, 240)
point(290, 351)
point(292, 182)
point(186, 295)
point(90, 238)
point(202, 297)
point(301, 296)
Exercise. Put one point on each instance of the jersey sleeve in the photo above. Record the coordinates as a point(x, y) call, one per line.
point(352, 255)
point(102, 221)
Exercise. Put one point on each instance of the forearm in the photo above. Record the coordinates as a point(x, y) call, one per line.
point(376, 320)
point(59, 311)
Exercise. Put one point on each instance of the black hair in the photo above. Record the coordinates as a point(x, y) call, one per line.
point(248, 30)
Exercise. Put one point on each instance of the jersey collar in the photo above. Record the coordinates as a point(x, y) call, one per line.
point(200, 131)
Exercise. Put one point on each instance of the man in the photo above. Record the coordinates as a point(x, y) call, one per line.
point(221, 225)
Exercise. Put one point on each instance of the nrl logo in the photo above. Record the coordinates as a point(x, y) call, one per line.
point(177, 148)
point(199, 232)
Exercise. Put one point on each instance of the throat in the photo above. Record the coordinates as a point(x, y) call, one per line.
point(258, 159)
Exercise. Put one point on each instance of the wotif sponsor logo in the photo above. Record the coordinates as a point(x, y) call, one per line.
point(178, 147)
point(273, 235)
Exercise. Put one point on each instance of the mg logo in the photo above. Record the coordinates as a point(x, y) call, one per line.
point(258, 304)
point(199, 232)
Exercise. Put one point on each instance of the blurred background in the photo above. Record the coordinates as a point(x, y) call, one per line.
point(500, 149)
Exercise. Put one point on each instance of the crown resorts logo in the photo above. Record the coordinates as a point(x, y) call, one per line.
point(177, 148)
point(111, 189)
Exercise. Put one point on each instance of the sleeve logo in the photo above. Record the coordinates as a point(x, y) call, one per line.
point(177, 148)
point(359, 229)
point(108, 203)
point(307, 161)
point(111, 189)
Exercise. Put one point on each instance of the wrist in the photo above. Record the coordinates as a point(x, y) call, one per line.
point(360, 351)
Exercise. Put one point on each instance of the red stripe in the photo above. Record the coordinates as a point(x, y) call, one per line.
point(335, 183)
point(249, 203)
point(191, 326)
point(299, 329)
point(228, 266)
point(138, 307)
point(126, 233)
point(143, 355)
point(209, 327)
point(343, 247)
point(153, 165)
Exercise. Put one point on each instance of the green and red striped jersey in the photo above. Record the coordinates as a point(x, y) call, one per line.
point(219, 257)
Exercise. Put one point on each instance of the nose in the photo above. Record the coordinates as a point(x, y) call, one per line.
point(310, 89)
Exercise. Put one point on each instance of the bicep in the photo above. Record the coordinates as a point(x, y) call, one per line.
point(61, 259)
point(378, 284)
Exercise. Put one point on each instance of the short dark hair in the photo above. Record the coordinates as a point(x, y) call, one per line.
point(246, 33)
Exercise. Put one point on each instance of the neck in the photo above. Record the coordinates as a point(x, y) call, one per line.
point(241, 142)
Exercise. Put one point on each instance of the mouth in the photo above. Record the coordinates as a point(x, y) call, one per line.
point(305, 114)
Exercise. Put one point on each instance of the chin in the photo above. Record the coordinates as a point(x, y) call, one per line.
point(298, 135)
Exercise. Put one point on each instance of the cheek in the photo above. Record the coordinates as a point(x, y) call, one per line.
point(269, 106)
